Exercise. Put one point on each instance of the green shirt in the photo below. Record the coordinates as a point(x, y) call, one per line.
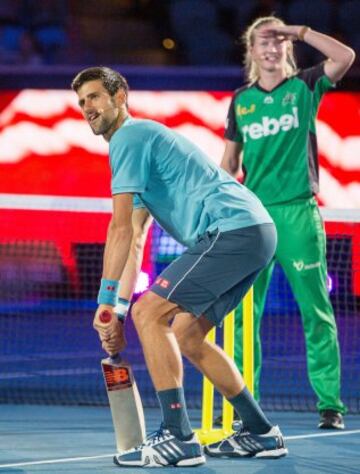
point(186, 193)
point(277, 131)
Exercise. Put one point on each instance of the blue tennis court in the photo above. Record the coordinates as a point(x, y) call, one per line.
point(56, 439)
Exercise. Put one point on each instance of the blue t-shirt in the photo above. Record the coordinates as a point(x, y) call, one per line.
point(180, 186)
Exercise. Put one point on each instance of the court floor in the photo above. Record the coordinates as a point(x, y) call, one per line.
point(68, 439)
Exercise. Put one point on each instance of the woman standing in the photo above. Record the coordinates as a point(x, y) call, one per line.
point(271, 121)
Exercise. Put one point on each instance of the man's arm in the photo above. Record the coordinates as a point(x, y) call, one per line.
point(141, 221)
point(119, 237)
point(231, 160)
point(117, 247)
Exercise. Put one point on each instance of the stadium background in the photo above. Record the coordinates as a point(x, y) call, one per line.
point(55, 203)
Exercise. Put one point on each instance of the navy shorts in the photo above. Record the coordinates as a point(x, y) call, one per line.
point(213, 276)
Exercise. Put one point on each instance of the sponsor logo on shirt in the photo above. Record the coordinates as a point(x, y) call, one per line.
point(245, 110)
point(289, 99)
point(300, 265)
point(271, 126)
point(268, 100)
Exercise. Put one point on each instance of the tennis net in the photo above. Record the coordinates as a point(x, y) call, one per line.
point(50, 265)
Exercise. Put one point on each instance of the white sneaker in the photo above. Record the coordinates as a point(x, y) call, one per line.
point(244, 444)
point(163, 449)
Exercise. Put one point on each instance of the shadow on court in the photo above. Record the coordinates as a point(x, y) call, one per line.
point(56, 439)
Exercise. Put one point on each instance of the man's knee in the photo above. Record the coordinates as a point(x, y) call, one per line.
point(140, 315)
point(149, 310)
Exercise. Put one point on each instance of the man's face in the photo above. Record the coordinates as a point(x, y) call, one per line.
point(268, 51)
point(99, 108)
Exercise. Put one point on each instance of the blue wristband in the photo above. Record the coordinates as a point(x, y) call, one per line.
point(122, 308)
point(108, 292)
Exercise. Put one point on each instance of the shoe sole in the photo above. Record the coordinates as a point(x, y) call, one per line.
point(274, 454)
point(190, 462)
point(331, 427)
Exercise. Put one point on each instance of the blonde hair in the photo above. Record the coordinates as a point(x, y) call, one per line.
point(251, 68)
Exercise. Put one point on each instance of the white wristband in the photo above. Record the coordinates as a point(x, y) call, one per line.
point(122, 308)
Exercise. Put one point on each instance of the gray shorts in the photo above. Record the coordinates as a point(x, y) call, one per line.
point(213, 276)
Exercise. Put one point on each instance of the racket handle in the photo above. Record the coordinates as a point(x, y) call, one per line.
point(105, 317)
point(116, 358)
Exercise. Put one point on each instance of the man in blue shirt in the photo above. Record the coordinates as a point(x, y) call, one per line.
point(230, 239)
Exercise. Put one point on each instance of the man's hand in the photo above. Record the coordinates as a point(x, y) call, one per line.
point(110, 329)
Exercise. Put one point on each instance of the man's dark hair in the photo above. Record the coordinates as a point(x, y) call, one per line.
point(111, 80)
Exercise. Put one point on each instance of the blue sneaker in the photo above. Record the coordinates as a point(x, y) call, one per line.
point(162, 449)
point(244, 444)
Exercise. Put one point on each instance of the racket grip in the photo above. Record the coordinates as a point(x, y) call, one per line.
point(105, 317)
